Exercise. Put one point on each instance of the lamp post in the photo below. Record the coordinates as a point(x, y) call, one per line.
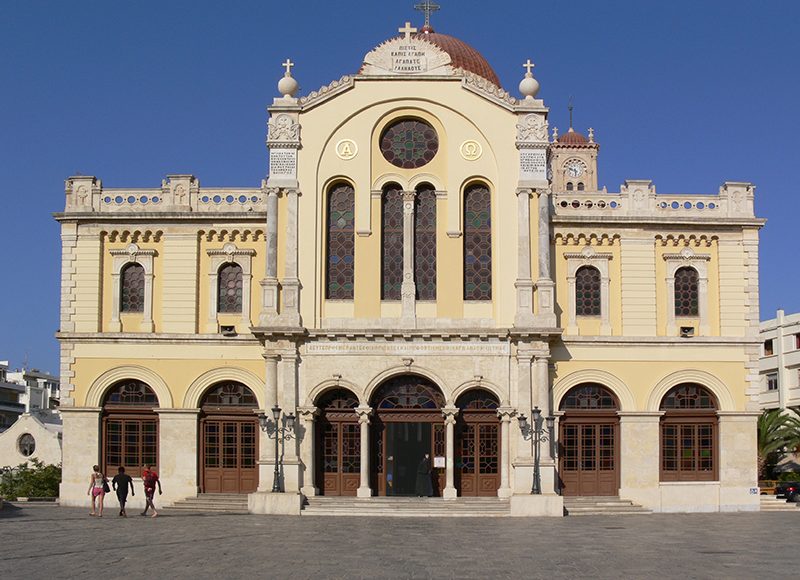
point(280, 427)
point(536, 432)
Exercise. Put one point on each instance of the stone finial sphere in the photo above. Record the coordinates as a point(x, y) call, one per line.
point(529, 86)
point(287, 86)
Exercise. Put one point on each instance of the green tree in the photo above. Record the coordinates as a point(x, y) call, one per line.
point(777, 430)
point(38, 480)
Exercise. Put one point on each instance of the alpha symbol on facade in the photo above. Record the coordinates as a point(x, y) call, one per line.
point(346, 149)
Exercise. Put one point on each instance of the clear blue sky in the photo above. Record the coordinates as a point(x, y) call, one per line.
point(687, 93)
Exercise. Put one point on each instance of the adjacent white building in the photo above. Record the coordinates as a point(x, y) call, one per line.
point(780, 361)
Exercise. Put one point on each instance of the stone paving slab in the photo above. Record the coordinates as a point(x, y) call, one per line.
point(54, 542)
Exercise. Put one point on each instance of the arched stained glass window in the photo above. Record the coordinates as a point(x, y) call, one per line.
point(341, 242)
point(477, 243)
point(477, 400)
point(689, 434)
point(686, 292)
point(408, 392)
point(229, 288)
point(230, 394)
point(589, 397)
point(131, 393)
point(425, 243)
point(338, 400)
point(132, 288)
point(587, 291)
point(391, 242)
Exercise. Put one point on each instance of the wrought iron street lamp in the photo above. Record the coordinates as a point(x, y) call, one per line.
point(280, 427)
point(537, 433)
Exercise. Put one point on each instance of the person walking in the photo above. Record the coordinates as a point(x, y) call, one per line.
point(97, 489)
point(120, 483)
point(150, 479)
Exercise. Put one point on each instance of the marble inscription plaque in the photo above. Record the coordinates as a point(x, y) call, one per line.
point(532, 164)
point(390, 348)
point(283, 163)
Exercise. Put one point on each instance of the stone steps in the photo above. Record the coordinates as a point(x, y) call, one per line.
point(770, 503)
point(601, 505)
point(233, 503)
point(406, 507)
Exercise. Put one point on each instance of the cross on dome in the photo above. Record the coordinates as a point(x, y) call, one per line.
point(407, 30)
point(288, 65)
point(528, 66)
point(427, 8)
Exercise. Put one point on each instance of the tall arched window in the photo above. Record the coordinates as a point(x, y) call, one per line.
point(425, 243)
point(580, 186)
point(131, 297)
point(686, 292)
point(477, 243)
point(341, 242)
point(570, 187)
point(130, 427)
point(229, 288)
point(689, 434)
point(587, 291)
point(391, 242)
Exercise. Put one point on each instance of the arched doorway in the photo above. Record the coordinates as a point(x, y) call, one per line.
point(477, 446)
point(229, 439)
point(338, 444)
point(408, 423)
point(130, 428)
point(589, 442)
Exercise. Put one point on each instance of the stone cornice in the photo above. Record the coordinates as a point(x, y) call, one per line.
point(155, 337)
point(100, 217)
point(660, 341)
point(712, 223)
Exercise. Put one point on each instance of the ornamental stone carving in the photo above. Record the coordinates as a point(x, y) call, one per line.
point(532, 128)
point(282, 129)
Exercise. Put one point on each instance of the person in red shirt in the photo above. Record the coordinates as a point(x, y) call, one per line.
point(151, 481)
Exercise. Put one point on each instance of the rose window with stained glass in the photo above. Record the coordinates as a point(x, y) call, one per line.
point(409, 143)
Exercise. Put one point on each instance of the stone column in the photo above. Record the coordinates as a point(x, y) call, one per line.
point(267, 448)
point(290, 305)
point(702, 305)
point(308, 416)
point(449, 414)
point(524, 282)
point(287, 398)
point(545, 288)
point(505, 414)
point(408, 288)
point(541, 391)
point(177, 464)
point(269, 285)
point(364, 413)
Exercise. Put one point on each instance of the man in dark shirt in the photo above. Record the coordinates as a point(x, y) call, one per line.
point(120, 483)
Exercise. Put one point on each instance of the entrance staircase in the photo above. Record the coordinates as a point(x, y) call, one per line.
point(601, 506)
point(770, 503)
point(212, 503)
point(417, 507)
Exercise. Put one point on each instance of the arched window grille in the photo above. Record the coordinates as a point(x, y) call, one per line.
point(587, 291)
point(408, 392)
point(132, 288)
point(425, 243)
point(686, 292)
point(230, 394)
point(229, 289)
point(477, 243)
point(589, 397)
point(391, 242)
point(339, 284)
point(689, 434)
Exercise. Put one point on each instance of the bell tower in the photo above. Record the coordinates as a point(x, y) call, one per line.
point(573, 160)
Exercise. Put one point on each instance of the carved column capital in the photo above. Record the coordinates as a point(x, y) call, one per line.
point(364, 413)
point(409, 196)
point(308, 413)
point(506, 413)
point(449, 414)
point(525, 191)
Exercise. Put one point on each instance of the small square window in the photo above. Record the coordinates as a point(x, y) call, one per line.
point(772, 382)
point(768, 351)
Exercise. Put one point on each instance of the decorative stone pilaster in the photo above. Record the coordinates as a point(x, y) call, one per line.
point(524, 397)
point(270, 400)
point(177, 429)
point(408, 288)
point(364, 413)
point(541, 378)
point(269, 285)
point(545, 288)
point(449, 414)
point(290, 284)
point(307, 417)
point(524, 282)
point(505, 414)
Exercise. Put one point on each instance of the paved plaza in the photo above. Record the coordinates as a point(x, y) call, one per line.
point(52, 542)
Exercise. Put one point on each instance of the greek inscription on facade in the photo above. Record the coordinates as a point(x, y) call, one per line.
point(533, 163)
point(282, 162)
point(401, 349)
point(409, 59)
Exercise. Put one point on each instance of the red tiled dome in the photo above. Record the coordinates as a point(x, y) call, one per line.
point(462, 55)
point(571, 137)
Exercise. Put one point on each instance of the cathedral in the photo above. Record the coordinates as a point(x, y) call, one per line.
point(430, 283)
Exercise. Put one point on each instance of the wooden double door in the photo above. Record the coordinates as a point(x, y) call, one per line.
point(338, 469)
point(229, 454)
point(477, 455)
point(589, 455)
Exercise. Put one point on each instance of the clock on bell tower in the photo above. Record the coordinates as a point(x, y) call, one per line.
point(573, 161)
